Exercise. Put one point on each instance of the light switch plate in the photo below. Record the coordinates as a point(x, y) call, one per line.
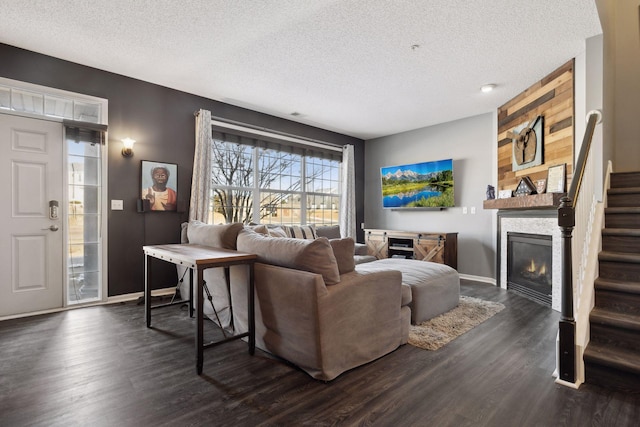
point(117, 205)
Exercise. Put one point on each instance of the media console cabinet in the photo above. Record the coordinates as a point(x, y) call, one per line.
point(424, 246)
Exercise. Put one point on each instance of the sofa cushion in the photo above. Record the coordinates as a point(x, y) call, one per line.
point(183, 232)
point(361, 249)
point(329, 231)
point(300, 231)
point(218, 236)
point(343, 251)
point(361, 259)
point(259, 228)
point(315, 256)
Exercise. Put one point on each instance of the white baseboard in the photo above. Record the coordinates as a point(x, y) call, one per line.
point(489, 280)
point(136, 295)
point(575, 385)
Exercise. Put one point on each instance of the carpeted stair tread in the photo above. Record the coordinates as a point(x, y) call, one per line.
point(634, 232)
point(625, 179)
point(614, 285)
point(619, 257)
point(624, 190)
point(613, 357)
point(622, 210)
point(603, 316)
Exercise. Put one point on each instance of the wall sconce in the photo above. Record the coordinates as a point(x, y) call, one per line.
point(127, 147)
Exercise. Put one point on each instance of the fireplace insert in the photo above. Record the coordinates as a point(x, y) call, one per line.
point(529, 265)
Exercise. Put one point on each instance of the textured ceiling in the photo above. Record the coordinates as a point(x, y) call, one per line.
point(346, 66)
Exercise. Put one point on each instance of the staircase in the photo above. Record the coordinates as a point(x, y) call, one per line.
point(612, 358)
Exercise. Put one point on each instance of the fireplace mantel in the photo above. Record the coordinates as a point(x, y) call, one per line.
point(535, 201)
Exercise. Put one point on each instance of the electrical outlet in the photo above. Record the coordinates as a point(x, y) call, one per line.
point(473, 210)
point(464, 210)
point(117, 205)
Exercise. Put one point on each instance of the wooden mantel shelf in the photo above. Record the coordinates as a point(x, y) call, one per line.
point(535, 201)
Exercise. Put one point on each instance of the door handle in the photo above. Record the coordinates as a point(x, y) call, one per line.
point(51, 228)
point(53, 210)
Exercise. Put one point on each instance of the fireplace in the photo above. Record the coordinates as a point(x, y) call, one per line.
point(529, 266)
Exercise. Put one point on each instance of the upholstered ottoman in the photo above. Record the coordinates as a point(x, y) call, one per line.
point(435, 288)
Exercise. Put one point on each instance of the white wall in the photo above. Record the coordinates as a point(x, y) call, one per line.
point(588, 97)
point(594, 101)
point(471, 143)
point(621, 24)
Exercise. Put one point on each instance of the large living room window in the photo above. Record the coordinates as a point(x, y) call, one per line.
point(290, 185)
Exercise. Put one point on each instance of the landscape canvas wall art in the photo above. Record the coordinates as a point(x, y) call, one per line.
point(418, 185)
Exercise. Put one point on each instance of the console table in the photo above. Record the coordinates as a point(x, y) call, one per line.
point(424, 246)
point(198, 258)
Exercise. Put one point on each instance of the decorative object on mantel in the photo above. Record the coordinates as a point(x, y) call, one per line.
point(439, 331)
point(491, 192)
point(525, 187)
point(541, 186)
point(527, 141)
point(535, 201)
point(556, 178)
point(505, 194)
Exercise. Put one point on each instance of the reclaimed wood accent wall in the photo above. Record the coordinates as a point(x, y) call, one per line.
point(553, 98)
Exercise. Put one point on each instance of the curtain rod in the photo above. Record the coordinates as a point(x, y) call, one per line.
point(232, 124)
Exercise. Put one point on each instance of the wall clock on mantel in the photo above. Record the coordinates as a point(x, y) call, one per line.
point(527, 140)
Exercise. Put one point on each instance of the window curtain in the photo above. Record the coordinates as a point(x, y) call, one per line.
point(348, 196)
point(201, 178)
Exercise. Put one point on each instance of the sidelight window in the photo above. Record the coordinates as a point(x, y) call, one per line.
point(84, 216)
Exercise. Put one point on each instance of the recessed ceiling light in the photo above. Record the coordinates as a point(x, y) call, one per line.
point(488, 88)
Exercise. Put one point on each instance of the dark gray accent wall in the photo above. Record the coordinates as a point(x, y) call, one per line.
point(161, 121)
point(471, 143)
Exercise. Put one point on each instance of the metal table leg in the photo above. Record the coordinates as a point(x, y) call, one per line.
point(200, 323)
point(147, 291)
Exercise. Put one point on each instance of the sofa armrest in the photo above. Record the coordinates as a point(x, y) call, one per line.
point(361, 249)
point(360, 318)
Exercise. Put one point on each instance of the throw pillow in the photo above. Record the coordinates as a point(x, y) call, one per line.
point(301, 231)
point(315, 256)
point(277, 232)
point(218, 236)
point(343, 250)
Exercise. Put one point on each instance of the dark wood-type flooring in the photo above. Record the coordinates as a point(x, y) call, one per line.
point(101, 366)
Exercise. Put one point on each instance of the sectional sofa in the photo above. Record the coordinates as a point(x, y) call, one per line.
point(314, 308)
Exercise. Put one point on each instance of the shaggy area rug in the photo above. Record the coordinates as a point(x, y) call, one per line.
point(470, 312)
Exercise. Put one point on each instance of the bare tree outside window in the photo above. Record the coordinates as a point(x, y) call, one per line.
point(232, 166)
point(278, 187)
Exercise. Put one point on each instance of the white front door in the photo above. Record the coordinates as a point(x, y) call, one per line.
point(31, 240)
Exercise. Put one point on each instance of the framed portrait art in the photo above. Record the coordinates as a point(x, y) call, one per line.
point(159, 185)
